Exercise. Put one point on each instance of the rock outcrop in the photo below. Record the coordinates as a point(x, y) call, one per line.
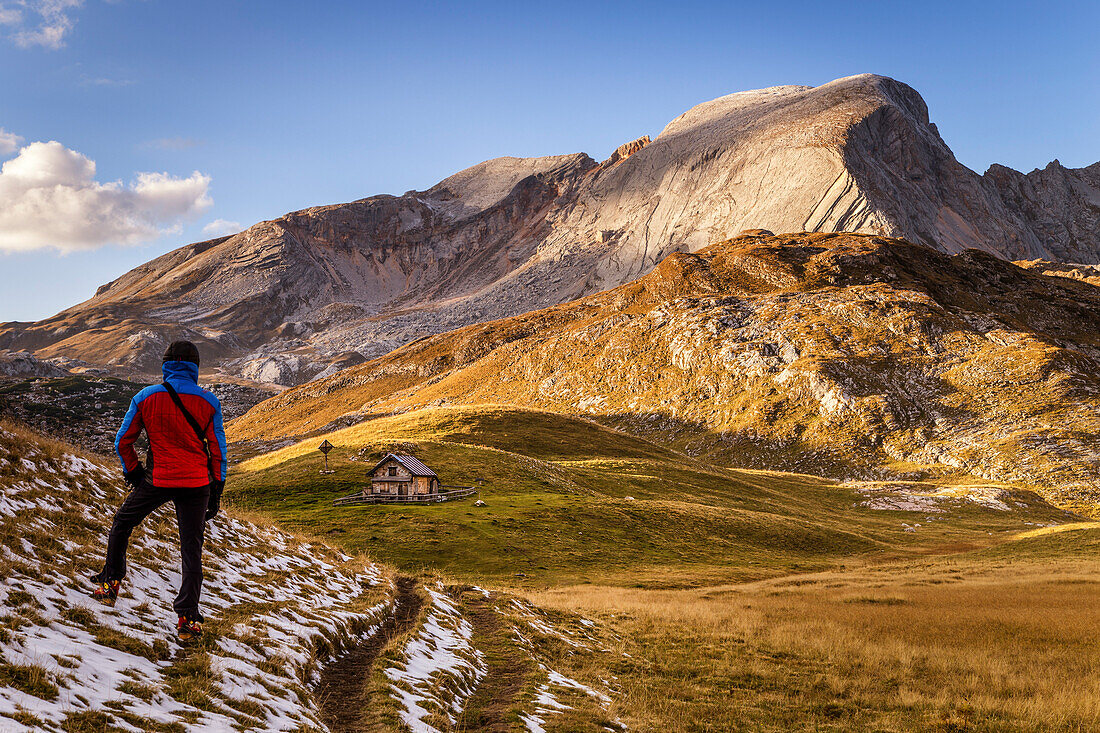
point(1085, 273)
point(24, 365)
point(287, 299)
point(625, 150)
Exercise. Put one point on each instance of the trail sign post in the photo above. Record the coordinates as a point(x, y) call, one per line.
point(325, 447)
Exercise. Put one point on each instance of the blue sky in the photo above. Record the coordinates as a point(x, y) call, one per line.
point(252, 109)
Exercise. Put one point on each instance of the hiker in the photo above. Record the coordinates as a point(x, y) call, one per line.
point(186, 465)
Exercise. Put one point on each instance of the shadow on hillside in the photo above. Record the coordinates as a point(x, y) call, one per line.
point(534, 432)
point(743, 449)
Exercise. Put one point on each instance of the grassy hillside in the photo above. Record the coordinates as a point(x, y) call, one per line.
point(299, 636)
point(834, 354)
point(570, 501)
point(981, 619)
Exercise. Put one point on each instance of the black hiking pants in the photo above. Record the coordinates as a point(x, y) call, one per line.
point(190, 516)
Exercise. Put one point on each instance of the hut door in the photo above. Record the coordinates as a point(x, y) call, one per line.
point(402, 489)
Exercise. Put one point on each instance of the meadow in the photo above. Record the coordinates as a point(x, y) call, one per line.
point(729, 599)
point(569, 501)
point(997, 640)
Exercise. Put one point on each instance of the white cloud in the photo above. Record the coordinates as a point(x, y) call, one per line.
point(10, 16)
point(53, 21)
point(49, 198)
point(9, 142)
point(221, 227)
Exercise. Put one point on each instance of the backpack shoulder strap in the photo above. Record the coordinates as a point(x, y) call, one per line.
point(199, 432)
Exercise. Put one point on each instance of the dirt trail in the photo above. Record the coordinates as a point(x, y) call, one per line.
point(490, 707)
point(344, 688)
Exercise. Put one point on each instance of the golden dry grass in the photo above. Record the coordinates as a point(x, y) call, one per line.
point(1073, 526)
point(952, 645)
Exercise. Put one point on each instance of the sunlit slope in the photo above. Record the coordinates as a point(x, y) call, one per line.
point(844, 355)
point(569, 500)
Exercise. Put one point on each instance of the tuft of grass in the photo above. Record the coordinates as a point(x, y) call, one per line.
point(19, 598)
point(79, 615)
point(69, 661)
point(130, 645)
point(25, 718)
point(876, 600)
point(89, 721)
point(31, 679)
point(140, 691)
point(190, 680)
point(148, 725)
point(247, 707)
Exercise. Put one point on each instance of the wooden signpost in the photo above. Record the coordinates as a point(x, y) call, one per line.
point(325, 447)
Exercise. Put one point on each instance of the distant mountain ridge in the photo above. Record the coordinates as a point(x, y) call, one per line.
point(320, 289)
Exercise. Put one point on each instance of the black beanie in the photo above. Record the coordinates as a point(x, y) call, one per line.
point(182, 351)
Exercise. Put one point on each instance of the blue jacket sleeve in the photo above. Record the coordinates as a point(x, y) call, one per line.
point(128, 433)
point(216, 437)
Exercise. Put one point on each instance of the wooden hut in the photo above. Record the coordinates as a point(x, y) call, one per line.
point(401, 475)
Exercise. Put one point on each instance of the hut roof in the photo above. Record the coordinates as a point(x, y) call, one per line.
point(415, 467)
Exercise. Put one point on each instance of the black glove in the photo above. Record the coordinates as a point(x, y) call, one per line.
point(214, 503)
point(135, 477)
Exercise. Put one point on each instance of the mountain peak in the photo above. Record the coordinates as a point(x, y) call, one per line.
point(298, 295)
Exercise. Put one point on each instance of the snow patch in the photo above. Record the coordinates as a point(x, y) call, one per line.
point(441, 667)
point(102, 658)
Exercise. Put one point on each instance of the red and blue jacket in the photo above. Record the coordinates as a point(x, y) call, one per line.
point(179, 460)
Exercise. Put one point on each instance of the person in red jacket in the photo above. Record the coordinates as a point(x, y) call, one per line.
point(186, 466)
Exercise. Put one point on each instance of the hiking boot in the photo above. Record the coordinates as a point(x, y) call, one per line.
point(187, 631)
point(106, 592)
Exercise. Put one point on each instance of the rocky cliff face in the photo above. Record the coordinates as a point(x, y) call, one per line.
point(1060, 206)
point(849, 355)
point(322, 288)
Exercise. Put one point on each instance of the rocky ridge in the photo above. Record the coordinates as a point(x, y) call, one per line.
point(839, 354)
point(24, 365)
point(320, 289)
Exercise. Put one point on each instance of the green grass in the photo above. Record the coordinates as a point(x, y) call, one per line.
point(571, 501)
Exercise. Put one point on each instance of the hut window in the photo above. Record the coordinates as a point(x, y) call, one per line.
point(393, 470)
